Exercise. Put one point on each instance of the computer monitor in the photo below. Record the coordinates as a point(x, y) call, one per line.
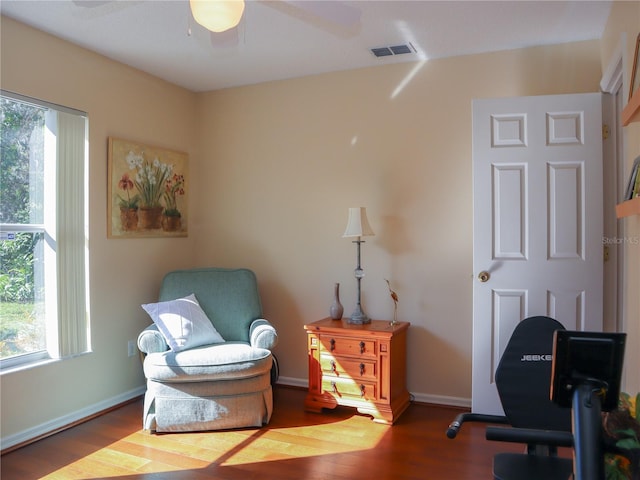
point(580, 357)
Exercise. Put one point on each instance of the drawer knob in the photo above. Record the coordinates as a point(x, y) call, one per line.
point(362, 390)
point(333, 366)
point(362, 344)
point(361, 369)
point(334, 387)
point(333, 344)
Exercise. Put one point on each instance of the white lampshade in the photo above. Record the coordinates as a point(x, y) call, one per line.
point(357, 224)
point(217, 15)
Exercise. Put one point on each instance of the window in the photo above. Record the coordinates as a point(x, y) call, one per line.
point(43, 238)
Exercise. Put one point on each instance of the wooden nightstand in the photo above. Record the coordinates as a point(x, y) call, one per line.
point(361, 366)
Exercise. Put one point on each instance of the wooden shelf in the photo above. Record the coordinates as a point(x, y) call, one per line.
point(628, 208)
point(631, 112)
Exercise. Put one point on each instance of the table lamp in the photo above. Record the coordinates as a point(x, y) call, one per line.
point(358, 226)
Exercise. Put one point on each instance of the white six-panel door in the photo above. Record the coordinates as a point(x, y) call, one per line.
point(537, 179)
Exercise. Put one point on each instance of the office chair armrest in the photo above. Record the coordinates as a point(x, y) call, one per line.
point(461, 418)
point(530, 436)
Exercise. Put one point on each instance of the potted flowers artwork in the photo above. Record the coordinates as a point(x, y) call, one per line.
point(129, 205)
point(174, 187)
point(148, 190)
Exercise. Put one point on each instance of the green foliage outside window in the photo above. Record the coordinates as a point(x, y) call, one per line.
point(20, 173)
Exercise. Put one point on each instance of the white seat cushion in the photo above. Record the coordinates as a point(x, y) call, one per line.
point(231, 360)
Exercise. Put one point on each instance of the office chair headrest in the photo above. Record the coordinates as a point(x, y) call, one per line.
point(523, 377)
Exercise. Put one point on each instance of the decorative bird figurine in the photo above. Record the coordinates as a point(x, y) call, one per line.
point(394, 297)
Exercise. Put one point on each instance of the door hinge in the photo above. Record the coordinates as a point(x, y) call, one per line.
point(605, 131)
point(606, 253)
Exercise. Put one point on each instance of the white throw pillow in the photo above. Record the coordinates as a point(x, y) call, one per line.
point(183, 323)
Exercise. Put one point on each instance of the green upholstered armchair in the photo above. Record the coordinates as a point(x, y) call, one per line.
point(215, 386)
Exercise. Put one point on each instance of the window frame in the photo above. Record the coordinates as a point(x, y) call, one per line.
point(66, 311)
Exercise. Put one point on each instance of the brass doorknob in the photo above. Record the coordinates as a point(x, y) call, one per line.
point(484, 276)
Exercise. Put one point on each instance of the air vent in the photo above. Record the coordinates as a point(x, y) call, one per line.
point(382, 52)
point(400, 49)
point(393, 50)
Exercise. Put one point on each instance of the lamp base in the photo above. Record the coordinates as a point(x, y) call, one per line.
point(358, 317)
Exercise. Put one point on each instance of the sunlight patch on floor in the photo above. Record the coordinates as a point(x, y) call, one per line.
point(141, 452)
point(286, 443)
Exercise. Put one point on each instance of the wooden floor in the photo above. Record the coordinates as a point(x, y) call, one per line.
point(338, 444)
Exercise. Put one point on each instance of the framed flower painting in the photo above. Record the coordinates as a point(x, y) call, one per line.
point(148, 191)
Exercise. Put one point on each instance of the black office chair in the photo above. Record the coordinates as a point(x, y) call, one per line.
point(523, 381)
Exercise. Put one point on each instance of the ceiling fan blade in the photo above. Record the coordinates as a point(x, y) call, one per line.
point(90, 9)
point(333, 11)
point(91, 3)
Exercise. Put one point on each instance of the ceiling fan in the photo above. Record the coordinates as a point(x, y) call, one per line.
point(223, 17)
point(335, 13)
point(217, 15)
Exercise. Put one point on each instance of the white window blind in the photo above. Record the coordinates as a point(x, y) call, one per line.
point(73, 325)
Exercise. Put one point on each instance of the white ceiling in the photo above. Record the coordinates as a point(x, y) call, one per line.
point(278, 40)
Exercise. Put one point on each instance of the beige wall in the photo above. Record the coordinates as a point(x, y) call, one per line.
point(121, 102)
point(624, 26)
point(285, 160)
point(274, 168)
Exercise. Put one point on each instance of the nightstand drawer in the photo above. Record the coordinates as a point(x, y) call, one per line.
point(348, 346)
point(349, 389)
point(349, 368)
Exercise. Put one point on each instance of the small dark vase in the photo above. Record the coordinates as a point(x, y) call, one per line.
point(336, 310)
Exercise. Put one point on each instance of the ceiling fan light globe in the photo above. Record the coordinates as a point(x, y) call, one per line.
point(217, 15)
